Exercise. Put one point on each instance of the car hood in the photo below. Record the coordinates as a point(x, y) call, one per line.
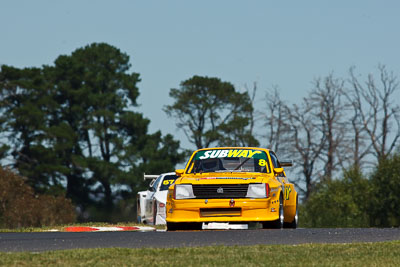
point(224, 178)
point(161, 196)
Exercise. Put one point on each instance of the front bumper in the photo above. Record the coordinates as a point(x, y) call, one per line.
point(222, 210)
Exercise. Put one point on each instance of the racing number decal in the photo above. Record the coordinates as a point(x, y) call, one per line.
point(262, 162)
point(168, 182)
point(288, 189)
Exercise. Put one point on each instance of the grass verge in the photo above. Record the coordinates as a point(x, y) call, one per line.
point(358, 254)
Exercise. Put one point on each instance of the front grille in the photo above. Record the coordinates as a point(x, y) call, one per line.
point(220, 212)
point(211, 191)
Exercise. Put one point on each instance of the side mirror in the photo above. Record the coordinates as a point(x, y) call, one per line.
point(286, 163)
point(278, 171)
point(179, 172)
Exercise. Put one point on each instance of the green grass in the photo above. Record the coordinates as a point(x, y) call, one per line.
point(358, 254)
point(61, 227)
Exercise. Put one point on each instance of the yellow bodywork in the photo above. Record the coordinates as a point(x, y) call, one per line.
point(237, 209)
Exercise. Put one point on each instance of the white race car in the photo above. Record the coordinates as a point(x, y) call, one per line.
point(151, 203)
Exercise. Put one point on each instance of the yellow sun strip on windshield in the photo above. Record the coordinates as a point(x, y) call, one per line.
point(251, 153)
point(235, 153)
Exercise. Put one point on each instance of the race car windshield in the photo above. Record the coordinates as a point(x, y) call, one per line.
point(229, 160)
point(167, 182)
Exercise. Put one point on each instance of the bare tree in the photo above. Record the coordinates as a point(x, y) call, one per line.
point(329, 112)
point(306, 145)
point(252, 94)
point(334, 127)
point(312, 133)
point(276, 127)
point(357, 139)
point(380, 115)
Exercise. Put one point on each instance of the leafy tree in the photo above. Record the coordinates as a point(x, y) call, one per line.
point(24, 102)
point(339, 203)
point(74, 123)
point(211, 111)
point(94, 91)
point(356, 201)
point(385, 201)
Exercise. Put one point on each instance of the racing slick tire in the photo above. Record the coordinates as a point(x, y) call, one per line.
point(183, 226)
point(155, 213)
point(277, 224)
point(295, 221)
point(172, 226)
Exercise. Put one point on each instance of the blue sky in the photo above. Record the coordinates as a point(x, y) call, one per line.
point(282, 43)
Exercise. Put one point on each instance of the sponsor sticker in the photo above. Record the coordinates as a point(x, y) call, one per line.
point(287, 192)
point(224, 178)
point(230, 153)
point(168, 182)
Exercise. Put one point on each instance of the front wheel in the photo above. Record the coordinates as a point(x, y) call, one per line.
point(295, 221)
point(277, 224)
point(183, 226)
point(172, 226)
point(155, 213)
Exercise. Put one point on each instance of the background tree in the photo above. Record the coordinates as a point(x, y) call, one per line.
point(385, 187)
point(276, 126)
point(356, 200)
point(357, 138)
point(306, 145)
point(239, 131)
point(313, 133)
point(74, 123)
point(25, 100)
point(210, 111)
point(329, 111)
point(94, 91)
point(339, 203)
point(380, 115)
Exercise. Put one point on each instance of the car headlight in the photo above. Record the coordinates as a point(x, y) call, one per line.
point(257, 191)
point(183, 191)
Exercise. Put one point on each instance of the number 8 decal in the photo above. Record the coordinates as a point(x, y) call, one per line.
point(262, 162)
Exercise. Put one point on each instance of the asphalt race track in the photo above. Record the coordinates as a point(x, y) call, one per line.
point(35, 242)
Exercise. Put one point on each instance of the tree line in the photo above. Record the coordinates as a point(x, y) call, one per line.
point(341, 123)
point(343, 137)
point(73, 128)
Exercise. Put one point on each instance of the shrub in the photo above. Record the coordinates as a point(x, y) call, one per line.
point(385, 204)
point(21, 207)
point(338, 203)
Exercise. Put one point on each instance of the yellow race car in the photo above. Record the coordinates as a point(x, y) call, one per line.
point(232, 185)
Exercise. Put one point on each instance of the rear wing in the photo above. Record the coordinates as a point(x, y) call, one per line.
point(149, 176)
